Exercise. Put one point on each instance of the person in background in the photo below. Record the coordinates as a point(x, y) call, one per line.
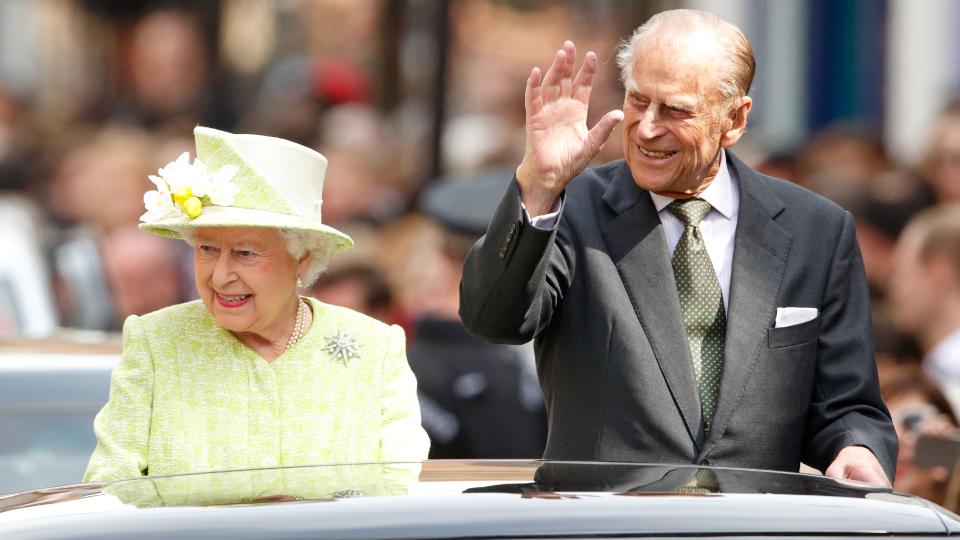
point(105, 269)
point(925, 292)
point(253, 374)
point(478, 400)
point(359, 286)
point(918, 408)
point(172, 77)
point(941, 165)
point(881, 209)
point(142, 273)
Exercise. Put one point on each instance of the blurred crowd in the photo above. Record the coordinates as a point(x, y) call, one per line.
point(363, 83)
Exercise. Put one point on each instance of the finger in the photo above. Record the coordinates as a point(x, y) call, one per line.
point(566, 82)
point(550, 88)
point(869, 474)
point(597, 136)
point(531, 94)
point(584, 81)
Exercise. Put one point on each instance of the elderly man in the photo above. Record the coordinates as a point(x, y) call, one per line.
point(685, 308)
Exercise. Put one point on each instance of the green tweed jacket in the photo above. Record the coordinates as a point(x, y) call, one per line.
point(188, 396)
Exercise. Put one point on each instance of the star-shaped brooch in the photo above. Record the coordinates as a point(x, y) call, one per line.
point(342, 346)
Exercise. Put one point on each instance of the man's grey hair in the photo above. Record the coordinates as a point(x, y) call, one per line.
point(735, 79)
point(298, 243)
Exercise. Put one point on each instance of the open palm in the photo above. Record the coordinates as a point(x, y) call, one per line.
point(559, 146)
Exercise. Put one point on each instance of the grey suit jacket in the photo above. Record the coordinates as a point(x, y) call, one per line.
point(598, 295)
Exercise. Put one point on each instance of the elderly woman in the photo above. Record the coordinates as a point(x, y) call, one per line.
point(252, 374)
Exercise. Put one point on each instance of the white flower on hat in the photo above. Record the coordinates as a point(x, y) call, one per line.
point(159, 206)
point(222, 189)
point(181, 173)
point(184, 188)
point(158, 202)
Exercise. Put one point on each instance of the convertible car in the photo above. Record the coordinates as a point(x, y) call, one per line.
point(474, 499)
point(48, 400)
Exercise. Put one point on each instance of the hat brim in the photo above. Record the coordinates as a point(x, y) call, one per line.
point(224, 216)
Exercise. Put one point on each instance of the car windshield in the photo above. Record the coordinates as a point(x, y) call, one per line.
point(471, 499)
point(526, 478)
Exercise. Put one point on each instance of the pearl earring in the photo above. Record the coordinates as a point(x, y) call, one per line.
point(299, 283)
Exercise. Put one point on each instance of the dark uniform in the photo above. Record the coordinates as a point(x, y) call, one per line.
point(477, 399)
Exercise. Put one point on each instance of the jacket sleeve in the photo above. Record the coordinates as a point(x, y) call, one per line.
point(402, 438)
point(123, 425)
point(846, 407)
point(514, 276)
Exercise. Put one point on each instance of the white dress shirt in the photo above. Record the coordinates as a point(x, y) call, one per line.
point(718, 228)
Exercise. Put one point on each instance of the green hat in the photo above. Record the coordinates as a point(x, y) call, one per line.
point(240, 181)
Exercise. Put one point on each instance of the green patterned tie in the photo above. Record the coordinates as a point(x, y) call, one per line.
point(704, 481)
point(702, 303)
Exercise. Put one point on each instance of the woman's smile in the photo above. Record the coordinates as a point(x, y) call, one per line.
point(232, 301)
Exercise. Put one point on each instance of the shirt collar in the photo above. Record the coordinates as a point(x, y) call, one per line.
point(719, 193)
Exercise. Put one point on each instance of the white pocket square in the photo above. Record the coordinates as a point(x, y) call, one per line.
point(792, 316)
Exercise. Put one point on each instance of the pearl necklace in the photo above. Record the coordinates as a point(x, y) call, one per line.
point(298, 325)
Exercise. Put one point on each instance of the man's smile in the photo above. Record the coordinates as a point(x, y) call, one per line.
point(654, 154)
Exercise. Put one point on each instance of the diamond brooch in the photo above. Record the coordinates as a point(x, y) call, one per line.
point(342, 346)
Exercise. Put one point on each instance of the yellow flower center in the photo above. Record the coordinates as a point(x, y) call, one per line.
point(181, 194)
point(192, 207)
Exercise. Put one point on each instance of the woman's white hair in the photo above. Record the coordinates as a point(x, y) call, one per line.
point(299, 244)
point(320, 247)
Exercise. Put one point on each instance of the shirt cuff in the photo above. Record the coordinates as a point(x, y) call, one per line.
point(547, 221)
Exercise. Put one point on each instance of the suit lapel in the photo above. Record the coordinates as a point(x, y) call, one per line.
point(636, 243)
point(759, 256)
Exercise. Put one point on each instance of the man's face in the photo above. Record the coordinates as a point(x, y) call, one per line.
point(675, 122)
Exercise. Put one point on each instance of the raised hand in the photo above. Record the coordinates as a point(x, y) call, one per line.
point(559, 146)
